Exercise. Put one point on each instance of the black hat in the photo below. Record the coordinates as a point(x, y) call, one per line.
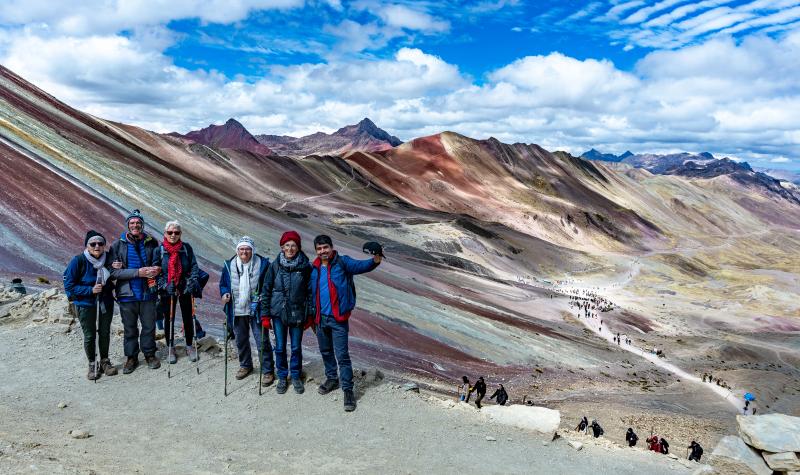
point(135, 214)
point(373, 248)
point(90, 234)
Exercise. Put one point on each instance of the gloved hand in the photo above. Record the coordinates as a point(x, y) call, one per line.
point(253, 308)
point(266, 322)
point(373, 248)
point(171, 289)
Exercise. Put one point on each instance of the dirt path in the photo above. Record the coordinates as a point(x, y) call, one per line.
point(147, 423)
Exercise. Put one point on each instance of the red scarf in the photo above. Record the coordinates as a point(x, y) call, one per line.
point(174, 268)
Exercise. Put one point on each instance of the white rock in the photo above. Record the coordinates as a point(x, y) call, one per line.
point(782, 462)
point(62, 405)
point(49, 293)
point(672, 456)
point(79, 434)
point(490, 438)
point(575, 444)
point(771, 432)
point(537, 419)
point(733, 454)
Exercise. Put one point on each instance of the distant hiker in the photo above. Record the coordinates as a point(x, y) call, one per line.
point(664, 446)
point(631, 438)
point(464, 389)
point(134, 267)
point(753, 412)
point(480, 391)
point(501, 395)
point(653, 443)
point(597, 431)
point(85, 280)
point(17, 286)
point(286, 307)
point(704, 377)
point(695, 451)
point(334, 295)
point(177, 283)
point(240, 288)
point(583, 425)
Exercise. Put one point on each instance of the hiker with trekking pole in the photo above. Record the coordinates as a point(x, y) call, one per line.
point(286, 307)
point(134, 271)
point(333, 295)
point(177, 284)
point(85, 280)
point(240, 289)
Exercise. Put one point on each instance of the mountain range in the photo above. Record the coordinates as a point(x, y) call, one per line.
point(475, 231)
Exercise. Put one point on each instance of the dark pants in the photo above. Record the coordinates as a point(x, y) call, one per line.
point(185, 301)
point(132, 313)
point(332, 341)
point(478, 399)
point(296, 338)
point(87, 316)
point(242, 325)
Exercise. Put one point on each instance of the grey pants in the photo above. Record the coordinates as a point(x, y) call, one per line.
point(242, 326)
point(132, 313)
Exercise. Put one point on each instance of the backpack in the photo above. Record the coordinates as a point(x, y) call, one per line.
point(82, 261)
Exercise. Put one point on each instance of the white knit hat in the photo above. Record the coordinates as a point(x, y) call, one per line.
point(246, 241)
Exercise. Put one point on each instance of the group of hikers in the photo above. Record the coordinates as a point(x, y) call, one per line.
point(149, 280)
point(654, 442)
point(465, 389)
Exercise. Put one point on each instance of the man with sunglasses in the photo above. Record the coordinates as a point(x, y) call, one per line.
point(85, 281)
point(134, 268)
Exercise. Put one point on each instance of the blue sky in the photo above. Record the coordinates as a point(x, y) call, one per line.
point(644, 75)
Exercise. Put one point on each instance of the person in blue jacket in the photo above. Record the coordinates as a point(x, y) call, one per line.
point(334, 297)
point(85, 280)
point(240, 289)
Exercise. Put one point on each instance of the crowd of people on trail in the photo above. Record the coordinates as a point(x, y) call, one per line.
point(654, 442)
point(465, 389)
point(151, 280)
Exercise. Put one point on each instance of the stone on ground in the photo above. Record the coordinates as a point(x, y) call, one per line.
point(782, 462)
point(732, 455)
point(771, 432)
point(575, 444)
point(537, 419)
point(79, 434)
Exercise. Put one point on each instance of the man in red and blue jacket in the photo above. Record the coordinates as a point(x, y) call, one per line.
point(334, 295)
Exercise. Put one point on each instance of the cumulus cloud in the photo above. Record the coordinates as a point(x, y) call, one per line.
point(731, 97)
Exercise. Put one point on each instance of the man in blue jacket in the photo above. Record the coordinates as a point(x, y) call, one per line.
point(134, 267)
point(334, 295)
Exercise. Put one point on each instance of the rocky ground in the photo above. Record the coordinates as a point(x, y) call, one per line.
point(145, 422)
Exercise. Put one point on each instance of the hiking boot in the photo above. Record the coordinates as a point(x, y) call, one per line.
point(107, 368)
point(152, 362)
point(267, 379)
point(282, 386)
point(349, 400)
point(192, 353)
point(298, 386)
point(93, 373)
point(130, 364)
point(172, 358)
point(243, 373)
point(328, 386)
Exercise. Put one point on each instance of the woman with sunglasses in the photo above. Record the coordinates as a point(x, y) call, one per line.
point(176, 284)
point(85, 281)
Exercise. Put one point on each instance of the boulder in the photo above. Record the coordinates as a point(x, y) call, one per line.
point(411, 387)
point(533, 418)
point(575, 444)
point(782, 462)
point(58, 311)
point(732, 454)
point(49, 293)
point(79, 434)
point(771, 432)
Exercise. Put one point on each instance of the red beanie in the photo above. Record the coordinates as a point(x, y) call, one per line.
point(291, 236)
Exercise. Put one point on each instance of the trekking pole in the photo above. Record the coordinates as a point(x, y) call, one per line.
point(97, 339)
point(225, 330)
point(261, 357)
point(194, 327)
point(171, 338)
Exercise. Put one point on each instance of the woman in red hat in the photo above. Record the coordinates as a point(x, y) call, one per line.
point(285, 305)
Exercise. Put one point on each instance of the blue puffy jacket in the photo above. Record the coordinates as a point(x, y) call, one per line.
point(79, 278)
point(225, 285)
point(341, 270)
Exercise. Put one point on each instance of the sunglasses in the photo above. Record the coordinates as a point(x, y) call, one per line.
point(97, 244)
point(173, 233)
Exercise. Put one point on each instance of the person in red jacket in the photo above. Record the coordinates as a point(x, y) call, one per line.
point(334, 297)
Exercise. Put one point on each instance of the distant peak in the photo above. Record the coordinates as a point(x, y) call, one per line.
point(706, 155)
point(233, 123)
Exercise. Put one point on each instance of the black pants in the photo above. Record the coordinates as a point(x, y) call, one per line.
point(87, 316)
point(132, 314)
point(479, 398)
point(185, 301)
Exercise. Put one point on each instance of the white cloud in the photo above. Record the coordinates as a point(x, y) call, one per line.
point(401, 16)
point(780, 160)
